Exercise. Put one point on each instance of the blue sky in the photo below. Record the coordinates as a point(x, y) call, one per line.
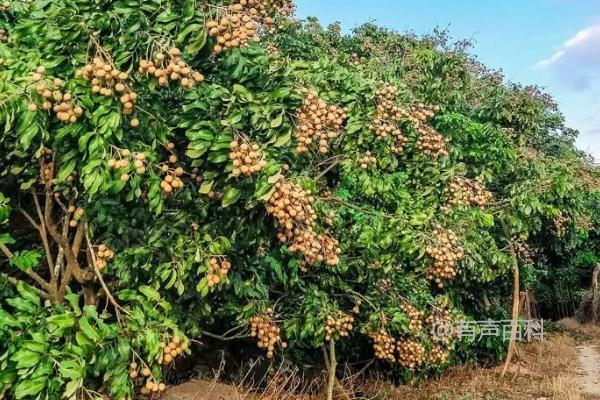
point(551, 43)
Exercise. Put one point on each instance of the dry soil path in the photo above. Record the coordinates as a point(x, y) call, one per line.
point(588, 370)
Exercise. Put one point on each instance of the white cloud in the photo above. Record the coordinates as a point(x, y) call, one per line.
point(577, 63)
point(589, 137)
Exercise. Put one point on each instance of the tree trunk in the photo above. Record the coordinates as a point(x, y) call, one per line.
point(515, 310)
point(594, 294)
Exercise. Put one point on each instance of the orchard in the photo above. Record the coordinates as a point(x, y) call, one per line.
point(180, 175)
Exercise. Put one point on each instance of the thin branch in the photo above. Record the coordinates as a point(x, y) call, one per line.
point(329, 168)
point(44, 235)
point(29, 217)
point(109, 296)
point(6, 251)
point(33, 275)
point(224, 338)
point(14, 281)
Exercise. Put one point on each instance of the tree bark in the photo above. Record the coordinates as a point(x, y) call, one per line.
point(515, 309)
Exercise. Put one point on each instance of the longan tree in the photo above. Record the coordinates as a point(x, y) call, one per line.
point(180, 171)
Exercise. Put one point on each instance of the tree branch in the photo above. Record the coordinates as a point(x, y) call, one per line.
point(32, 274)
point(14, 281)
point(109, 296)
point(44, 236)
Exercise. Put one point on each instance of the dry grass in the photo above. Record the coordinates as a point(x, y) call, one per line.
point(542, 370)
point(579, 331)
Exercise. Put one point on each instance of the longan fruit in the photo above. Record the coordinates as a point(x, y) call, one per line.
point(32, 107)
point(134, 123)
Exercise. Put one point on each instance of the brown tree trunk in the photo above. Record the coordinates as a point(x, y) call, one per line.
point(514, 316)
point(594, 293)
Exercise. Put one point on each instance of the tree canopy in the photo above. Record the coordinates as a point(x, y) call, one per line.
point(178, 170)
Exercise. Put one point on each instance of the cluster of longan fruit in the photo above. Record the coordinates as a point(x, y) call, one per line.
point(292, 207)
point(445, 254)
point(46, 173)
point(195, 175)
point(383, 345)
point(3, 36)
point(217, 270)
point(268, 334)
point(437, 354)
point(53, 98)
point(415, 316)
point(411, 354)
point(437, 316)
point(356, 308)
point(388, 115)
point(172, 179)
point(463, 192)
point(246, 158)
point(271, 49)
point(175, 70)
point(560, 224)
point(233, 30)
point(104, 255)
point(107, 80)
point(77, 213)
point(384, 285)
point(126, 160)
point(150, 385)
point(367, 160)
point(316, 248)
point(431, 142)
point(338, 326)
point(355, 59)
point(317, 120)
point(175, 348)
point(4, 6)
point(240, 23)
point(421, 112)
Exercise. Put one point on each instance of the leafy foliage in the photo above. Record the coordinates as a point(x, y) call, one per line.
point(362, 237)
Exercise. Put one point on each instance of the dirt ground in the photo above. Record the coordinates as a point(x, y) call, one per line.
point(566, 366)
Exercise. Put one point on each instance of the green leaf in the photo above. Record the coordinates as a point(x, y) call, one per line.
point(230, 196)
point(150, 293)
point(202, 287)
point(29, 387)
point(205, 187)
point(88, 329)
point(5, 238)
point(277, 121)
point(25, 358)
point(26, 259)
point(71, 387)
